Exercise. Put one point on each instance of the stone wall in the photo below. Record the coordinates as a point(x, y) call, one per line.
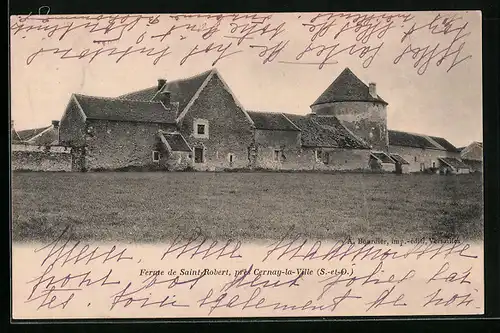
point(475, 165)
point(474, 152)
point(230, 132)
point(274, 138)
point(117, 145)
point(345, 159)
point(278, 150)
point(419, 156)
point(306, 159)
point(40, 158)
point(367, 120)
point(72, 127)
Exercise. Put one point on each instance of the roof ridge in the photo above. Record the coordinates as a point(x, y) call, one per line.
point(166, 82)
point(291, 122)
point(116, 99)
point(193, 76)
point(434, 142)
point(136, 91)
point(32, 129)
point(414, 133)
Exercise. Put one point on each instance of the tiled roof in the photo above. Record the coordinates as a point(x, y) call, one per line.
point(48, 137)
point(126, 110)
point(176, 141)
point(347, 87)
point(29, 133)
point(397, 138)
point(445, 144)
point(405, 139)
point(453, 162)
point(14, 136)
point(272, 121)
point(323, 132)
point(383, 157)
point(399, 159)
point(181, 91)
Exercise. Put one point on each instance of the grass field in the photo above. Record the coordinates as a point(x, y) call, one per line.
point(158, 206)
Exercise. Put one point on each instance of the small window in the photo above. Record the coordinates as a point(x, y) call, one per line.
point(200, 128)
point(326, 157)
point(231, 158)
point(433, 164)
point(156, 156)
point(415, 158)
point(319, 155)
point(277, 154)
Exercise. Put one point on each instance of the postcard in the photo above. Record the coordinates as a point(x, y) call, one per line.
point(246, 165)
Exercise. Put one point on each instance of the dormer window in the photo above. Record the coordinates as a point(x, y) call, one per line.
point(200, 128)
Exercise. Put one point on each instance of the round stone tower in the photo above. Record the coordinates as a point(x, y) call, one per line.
point(358, 107)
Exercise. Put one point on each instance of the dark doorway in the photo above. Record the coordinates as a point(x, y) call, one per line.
point(198, 155)
point(399, 168)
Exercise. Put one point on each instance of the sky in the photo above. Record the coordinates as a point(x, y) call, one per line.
point(438, 101)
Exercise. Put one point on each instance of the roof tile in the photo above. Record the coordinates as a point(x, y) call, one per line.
point(272, 121)
point(455, 163)
point(399, 159)
point(176, 141)
point(29, 133)
point(181, 91)
point(347, 87)
point(445, 144)
point(323, 132)
point(383, 157)
point(126, 110)
point(398, 138)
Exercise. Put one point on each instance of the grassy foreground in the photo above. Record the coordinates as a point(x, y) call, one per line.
point(151, 207)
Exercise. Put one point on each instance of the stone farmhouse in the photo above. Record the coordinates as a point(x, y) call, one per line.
point(472, 155)
point(198, 123)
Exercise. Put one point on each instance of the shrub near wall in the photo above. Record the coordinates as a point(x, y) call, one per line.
point(26, 158)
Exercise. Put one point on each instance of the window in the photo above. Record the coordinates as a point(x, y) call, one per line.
point(156, 156)
point(326, 157)
point(433, 164)
point(319, 155)
point(230, 158)
point(198, 155)
point(277, 154)
point(415, 158)
point(200, 128)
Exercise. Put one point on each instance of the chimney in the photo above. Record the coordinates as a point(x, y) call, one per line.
point(372, 89)
point(161, 83)
point(55, 124)
point(165, 98)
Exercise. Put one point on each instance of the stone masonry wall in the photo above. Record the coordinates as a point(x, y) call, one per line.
point(305, 159)
point(115, 145)
point(72, 126)
point(418, 156)
point(230, 132)
point(368, 120)
point(40, 158)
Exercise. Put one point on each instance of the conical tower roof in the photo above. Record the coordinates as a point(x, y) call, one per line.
point(347, 87)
